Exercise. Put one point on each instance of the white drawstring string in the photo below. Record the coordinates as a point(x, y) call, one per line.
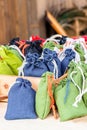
point(56, 50)
point(55, 36)
point(61, 55)
point(81, 92)
point(84, 49)
point(15, 47)
point(69, 43)
point(85, 56)
point(20, 69)
point(77, 57)
point(55, 69)
point(50, 39)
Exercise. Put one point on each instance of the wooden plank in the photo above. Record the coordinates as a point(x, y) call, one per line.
point(22, 22)
point(24, 18)
point(7, 20)
point(33, 24)
point(11, 18)
point(2, 23)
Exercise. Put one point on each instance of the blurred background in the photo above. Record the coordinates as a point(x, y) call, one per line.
point(23, 18)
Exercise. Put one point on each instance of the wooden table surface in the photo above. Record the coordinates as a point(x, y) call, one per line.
point(38, 124)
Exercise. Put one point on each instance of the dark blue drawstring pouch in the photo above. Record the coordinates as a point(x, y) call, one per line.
point(21, 101)
point(33, 66)
point(69, 56)
point(14, 40)
point(52, 61)
point(35, 47)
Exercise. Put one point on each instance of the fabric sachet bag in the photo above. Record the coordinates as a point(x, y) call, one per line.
point(27, 46)
point(69, 55)
point(14, 49)
point(4, 68)
point(68, 97)
point(21, 101)
point(84, 88)
point(11, 59)
point(35, 47)
point(52, 62)
point(52, 45)
point(33, 66)
point(80, 51)
point(44, 98)
point(66, 110)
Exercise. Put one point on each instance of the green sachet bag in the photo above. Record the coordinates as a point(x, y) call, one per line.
point(14, 49)
point(68, 94)
point(84, 88)
point(80, 51)
point(43, 99)
point(4, 68)
point(81, 74)
point(67, 109)
point(11, 59)
point(74, 68)
point(51, 45)
point(85, 95)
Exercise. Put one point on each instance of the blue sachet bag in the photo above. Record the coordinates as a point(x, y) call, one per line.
point(69, 56)
point(52, 61)
point(21, 101)
point(33, 66)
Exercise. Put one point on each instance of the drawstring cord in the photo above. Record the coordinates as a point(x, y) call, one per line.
point(20, 69)
point(57, 81)
point(81, 92)
point(62, 54)
point(22, 44)
point(55, 69)
point(15, 47)
point(51, 39)
point(50, 93)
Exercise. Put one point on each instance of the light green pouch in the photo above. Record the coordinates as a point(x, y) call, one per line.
point(51, 45)
point(81, 74)
point(11, 59)
point(66, 109)
point(68, 97)
point(85, 95)
point(4, 68)
point(80, 51)
point(14, 49)
point(73, 68)
point(43, 101)
point(84, 88)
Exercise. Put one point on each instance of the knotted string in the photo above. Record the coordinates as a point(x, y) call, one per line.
point(81, 91)
point(57, 81)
